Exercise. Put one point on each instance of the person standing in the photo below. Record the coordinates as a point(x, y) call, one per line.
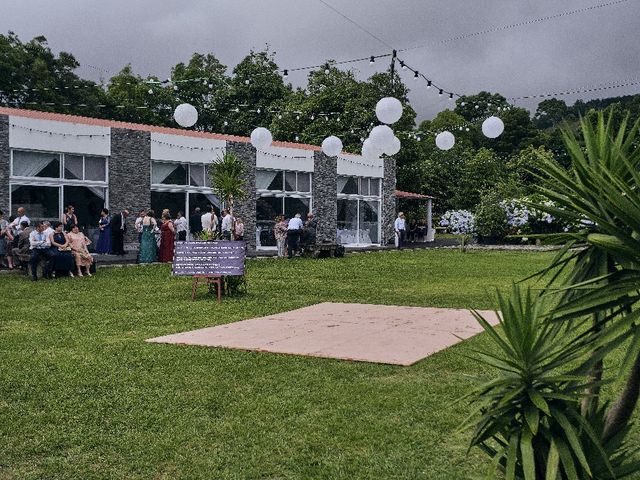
point(227, 225)
point(148, 246)
point(69, 218)
point(206, 220)
point(294, 229)
point(310, 230)
point(39, 246)
point(195, 223)
point(6, 239)
point(138, 223)
point(104, 239)
point(400, 228)
point(180, 223)
point(118, 230)
point(280, 232)
point(238, 231)
point(167, 239)
point(17, 222)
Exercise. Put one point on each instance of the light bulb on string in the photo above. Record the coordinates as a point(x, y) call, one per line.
point(440, 93)
point(462, 104)
point(150, 91)
point(285, 74)
point(258, 110)
point(326, 70)
point(175, 87)
point(402, 65)
point(211, 85)
point(372, 60)
point(416, 74)
point(428, 84)
point(246, 82)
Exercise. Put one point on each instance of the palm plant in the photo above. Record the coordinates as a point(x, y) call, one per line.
point(593, 293)
point(227, 179)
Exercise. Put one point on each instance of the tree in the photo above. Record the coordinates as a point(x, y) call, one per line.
point(545, 414)
point(254, 94)
point(227, 179)
point(552, 112)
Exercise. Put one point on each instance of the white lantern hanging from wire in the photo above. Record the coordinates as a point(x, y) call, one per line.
point(369, 151)
point(445, 140)
point(185, 115)
point(492, 127)
point(389, 110)
point(394, 147)
point(332, 146)
point(261, 138)
point(382, 137)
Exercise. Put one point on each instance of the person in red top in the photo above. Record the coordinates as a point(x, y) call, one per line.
point(167, 238)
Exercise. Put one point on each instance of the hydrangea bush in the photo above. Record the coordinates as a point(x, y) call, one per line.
point(523, 219)
point(459, 222)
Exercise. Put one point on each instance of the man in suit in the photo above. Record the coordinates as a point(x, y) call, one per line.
point(118, 229)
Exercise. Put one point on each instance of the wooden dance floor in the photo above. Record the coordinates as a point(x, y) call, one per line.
point(366, 333)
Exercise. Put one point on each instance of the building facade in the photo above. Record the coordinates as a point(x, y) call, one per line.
point(49, 161)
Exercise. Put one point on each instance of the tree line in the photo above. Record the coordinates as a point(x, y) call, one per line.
point(333, 102)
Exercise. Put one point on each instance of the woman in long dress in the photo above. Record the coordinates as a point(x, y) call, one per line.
point(148, 246)
point(104, 239)
point(167, 238)
point(61, 251)
point(79, 242)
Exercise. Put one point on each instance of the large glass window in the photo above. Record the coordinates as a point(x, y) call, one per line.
point(348, 185)
point(174, 201)
point(267, 209)
point(36, 164)
point(40, 202)
point(95, 169)
point(368, 222)
point(347, 221)
point(165, 173)
point(197, 175)
point(73, 167)
point(358, 210)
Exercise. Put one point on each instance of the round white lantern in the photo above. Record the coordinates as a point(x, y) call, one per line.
point(394, 148)
point(261, 138)
point(492, 127)
point(445, 140)
point(369, 151)
point(185, 115)
point(332, 146)
point(389, 110)
point(382, 137)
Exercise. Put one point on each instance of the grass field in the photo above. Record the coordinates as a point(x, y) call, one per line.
point(82, 396)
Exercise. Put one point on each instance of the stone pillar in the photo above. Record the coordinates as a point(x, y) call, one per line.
point(246, 208)
point(325, 191)
point(130, 176)
point(388, 200)
point(431, 235)
point(5, 156)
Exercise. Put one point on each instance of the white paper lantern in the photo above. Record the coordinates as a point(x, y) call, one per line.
point(445, 140)
point(492, 127)
point(382, 137)
point(389, 110)
point(332, 146)
point(185, 115)
point(394, 148)
point(369, 151)
point(261, 138)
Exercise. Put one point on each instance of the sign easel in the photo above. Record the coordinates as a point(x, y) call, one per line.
point(209, 262)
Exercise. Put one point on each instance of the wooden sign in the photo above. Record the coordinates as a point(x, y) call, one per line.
point(209, 259)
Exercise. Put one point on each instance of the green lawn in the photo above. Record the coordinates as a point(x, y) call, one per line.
point(83, 396)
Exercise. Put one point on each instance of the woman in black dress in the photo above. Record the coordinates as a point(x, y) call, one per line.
point(63, 263)
point(69, 218)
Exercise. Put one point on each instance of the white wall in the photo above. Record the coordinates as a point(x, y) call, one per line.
point(355, 165)
point(194, 149)
point(95, 140)
point(280, 158)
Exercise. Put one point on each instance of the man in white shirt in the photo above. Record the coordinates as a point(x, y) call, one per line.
point(207, 220)
point(294, 229)
point(40, 248)
point(181, 225)
point(20, 217)
point(47, 229)
point(227, 225)
point(400, 228)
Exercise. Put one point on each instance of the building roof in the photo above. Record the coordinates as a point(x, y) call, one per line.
point(62, 117)
point(411, 195)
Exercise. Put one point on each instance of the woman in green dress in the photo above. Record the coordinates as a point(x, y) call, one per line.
point(148, 246)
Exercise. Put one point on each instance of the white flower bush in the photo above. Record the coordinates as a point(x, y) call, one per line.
point(459, 222)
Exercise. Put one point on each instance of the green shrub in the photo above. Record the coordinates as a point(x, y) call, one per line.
point(491, 219)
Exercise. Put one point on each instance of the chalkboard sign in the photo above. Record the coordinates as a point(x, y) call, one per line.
point(209, 258)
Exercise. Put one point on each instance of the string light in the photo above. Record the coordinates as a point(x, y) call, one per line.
point(416, 75)
point(372, 60)
point(428, 84)
point(285, 74)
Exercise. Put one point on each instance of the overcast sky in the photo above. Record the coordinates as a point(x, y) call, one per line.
point(596, 47)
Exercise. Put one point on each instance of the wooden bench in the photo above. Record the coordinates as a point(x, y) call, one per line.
point(324, 250)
